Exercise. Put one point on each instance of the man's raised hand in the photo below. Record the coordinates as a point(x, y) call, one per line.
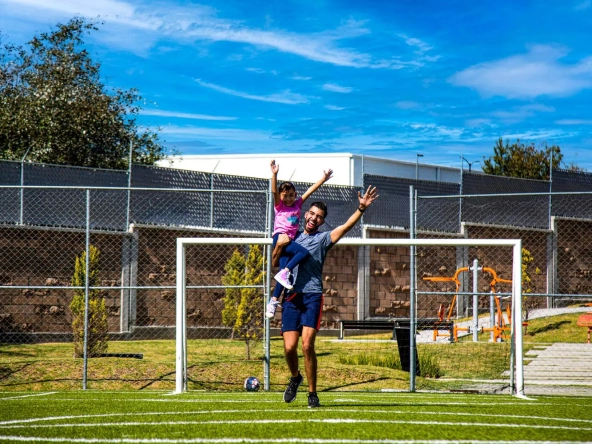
point(370, 196)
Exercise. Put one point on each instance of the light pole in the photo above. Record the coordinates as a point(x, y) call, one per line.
point(470, 163)
point(417, 165)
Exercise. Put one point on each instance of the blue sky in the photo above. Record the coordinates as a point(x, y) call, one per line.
point(381, 78)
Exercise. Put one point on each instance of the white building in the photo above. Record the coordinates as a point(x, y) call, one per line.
point(348, 169)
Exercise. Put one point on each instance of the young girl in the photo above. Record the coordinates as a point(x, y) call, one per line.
point(287, 208)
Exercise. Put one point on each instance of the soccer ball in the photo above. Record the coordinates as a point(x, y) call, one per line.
point(252, 384)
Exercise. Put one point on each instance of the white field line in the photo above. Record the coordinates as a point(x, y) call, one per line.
point(387, 401)
point(308, 421)
point(28, 422)
point(390, 395)
point(270, 441)
point(28, 396)
point(390, 402)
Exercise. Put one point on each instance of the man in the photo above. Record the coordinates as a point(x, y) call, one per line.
point(301, 311)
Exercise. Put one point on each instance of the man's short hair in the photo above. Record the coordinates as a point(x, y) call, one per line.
point(286, 186)
point(321, 206)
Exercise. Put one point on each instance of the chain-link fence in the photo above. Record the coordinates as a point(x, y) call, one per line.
point(554, 230)
point(62, 226)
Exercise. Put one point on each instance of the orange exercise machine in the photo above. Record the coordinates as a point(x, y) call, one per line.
point(500, 326)
point(442, 309)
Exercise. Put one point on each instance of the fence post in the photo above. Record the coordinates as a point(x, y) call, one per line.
point(267, 324)
point(129, 186)
point(552, 263)
point(412, 288)
point(86, 284)
point(22, 185)
point(212, 201)
point(475, 271)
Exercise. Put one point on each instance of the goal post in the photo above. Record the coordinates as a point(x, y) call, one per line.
point(516, 368)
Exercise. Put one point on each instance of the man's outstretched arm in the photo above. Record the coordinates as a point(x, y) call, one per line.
point(363, 202)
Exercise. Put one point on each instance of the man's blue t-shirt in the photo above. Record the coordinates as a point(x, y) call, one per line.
point(309, 274)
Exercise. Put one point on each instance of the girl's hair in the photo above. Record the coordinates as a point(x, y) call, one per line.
point(286, 186)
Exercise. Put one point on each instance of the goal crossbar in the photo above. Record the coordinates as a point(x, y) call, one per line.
point(516, 244)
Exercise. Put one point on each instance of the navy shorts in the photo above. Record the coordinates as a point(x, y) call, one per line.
point(302, 310)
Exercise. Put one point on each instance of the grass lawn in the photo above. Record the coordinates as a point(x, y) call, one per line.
point(366, 363)
point(233, 417)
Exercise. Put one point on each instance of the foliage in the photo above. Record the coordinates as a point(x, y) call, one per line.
point(249, 315)
point(390, 360)
point(235, 275)
point(527, 284)
point(97, 311)
point(213, 363)
point(523, 161)
point(54, 108)
point(243, 307)
point(428, 362)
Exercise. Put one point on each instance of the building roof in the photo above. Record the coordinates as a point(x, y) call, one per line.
point(348, 168)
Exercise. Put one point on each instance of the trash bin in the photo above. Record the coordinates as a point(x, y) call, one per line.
point(403, 337)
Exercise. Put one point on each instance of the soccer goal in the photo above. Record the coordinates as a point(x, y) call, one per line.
point(406, 299)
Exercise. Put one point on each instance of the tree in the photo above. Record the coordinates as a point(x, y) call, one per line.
point(97, 311)
point(235, 276)
point(243, 307)
point(54, 108)
point(523, 161)
point(249, 315)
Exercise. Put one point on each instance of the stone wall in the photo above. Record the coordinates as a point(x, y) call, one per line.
point(32, 257)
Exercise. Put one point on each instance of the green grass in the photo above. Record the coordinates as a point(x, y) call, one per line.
point(369, 364)
point(222, 417)
point(560, 328)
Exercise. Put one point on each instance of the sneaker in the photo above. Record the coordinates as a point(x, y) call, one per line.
point(283, 278)
point(313, 400)
point(271, 307)
point(292, 389)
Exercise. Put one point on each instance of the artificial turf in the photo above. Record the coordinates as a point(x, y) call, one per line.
point(345, 417)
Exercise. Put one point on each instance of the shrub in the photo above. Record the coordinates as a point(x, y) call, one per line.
point(97, 311)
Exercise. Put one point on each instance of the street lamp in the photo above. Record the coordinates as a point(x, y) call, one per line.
point(417, 165)
point(470, 163)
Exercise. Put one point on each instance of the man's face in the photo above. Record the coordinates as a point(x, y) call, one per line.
point(314, 218)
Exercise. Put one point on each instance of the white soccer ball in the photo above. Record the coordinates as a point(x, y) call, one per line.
point(252, 384)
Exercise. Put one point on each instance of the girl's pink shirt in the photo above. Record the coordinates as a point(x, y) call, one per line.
point(287, 219)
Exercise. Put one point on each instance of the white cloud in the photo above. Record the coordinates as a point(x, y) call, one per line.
point(319, 48)
point(583, 5)
point(406, 104)
point(300, 78)
point(285, 97)
point(437, 130)
point(526, 76)
point(198, 22)
point(337, 88)
point(573, 122)
point(417, 43)
point(161, 113)
point(542, 134)
point(71, 7)
point(478, 122)
point(519, 113)
point(334, 108)
point(214, 133)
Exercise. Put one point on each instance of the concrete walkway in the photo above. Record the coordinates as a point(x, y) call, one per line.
point(559, 364)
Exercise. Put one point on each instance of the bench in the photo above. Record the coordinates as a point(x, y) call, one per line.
point(390, 324)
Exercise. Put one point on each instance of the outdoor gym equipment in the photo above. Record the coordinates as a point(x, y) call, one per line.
point(499, 324)
point(442, 309)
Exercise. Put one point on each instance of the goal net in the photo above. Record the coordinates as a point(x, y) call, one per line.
point(398, 314)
